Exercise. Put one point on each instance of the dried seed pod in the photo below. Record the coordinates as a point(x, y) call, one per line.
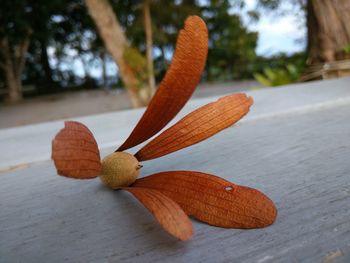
point(197, 126)
point(119, 169)
point(166, 211)
point(75, 152)
point(212, 199)
point(178, 84)
point(172, 196)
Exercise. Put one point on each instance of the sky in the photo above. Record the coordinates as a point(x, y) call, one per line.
point(279, 35)
point(276, 34)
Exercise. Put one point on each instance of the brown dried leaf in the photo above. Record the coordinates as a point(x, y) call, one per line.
point(178, 84)
point(213, 200)
point(197, 126)
point(75, 152)
point(168, 213)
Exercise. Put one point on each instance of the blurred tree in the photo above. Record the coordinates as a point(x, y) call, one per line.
point(231, 49)
point(149, 46)
point(231, 46)
point(167, 20)
point(56, 34)
point(38, 70)
point(27, 27)
point(75, 36)
point(130, 62)
point(328, 27)
point(15, 35)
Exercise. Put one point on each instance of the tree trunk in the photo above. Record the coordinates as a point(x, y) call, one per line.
point(13, 84)
point(48, 81)
point(104, 69)
point(12, 63)
point(116, 43)
point(149, 47)
point(328, 30)
point(165, 61)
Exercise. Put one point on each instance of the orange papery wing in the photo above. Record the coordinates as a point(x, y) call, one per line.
point(75, 152)
point(197, 126)
point(168, 213)
point(178, 84)
point(213, 200)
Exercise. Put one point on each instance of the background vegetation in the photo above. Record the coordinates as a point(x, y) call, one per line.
point(39, 40)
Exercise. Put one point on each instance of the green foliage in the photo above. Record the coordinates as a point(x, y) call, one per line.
point(279, 61)
point(231, 46)
point(66, 30)
point(278, 76)
point(137, 63)
point(20, 18)
point(346, 49)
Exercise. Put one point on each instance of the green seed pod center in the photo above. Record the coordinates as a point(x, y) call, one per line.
point(119, 169)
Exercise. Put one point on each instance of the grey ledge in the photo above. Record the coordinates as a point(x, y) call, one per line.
point(294, 146)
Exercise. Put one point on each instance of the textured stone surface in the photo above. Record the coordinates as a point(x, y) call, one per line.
point(32, 143)
point(294, 147)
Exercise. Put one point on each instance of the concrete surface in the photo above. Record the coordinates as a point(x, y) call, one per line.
point(88, 102)
point(294, 146)
point(31, 143)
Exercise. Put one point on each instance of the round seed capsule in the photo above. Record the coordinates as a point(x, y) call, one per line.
point(119, 169)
